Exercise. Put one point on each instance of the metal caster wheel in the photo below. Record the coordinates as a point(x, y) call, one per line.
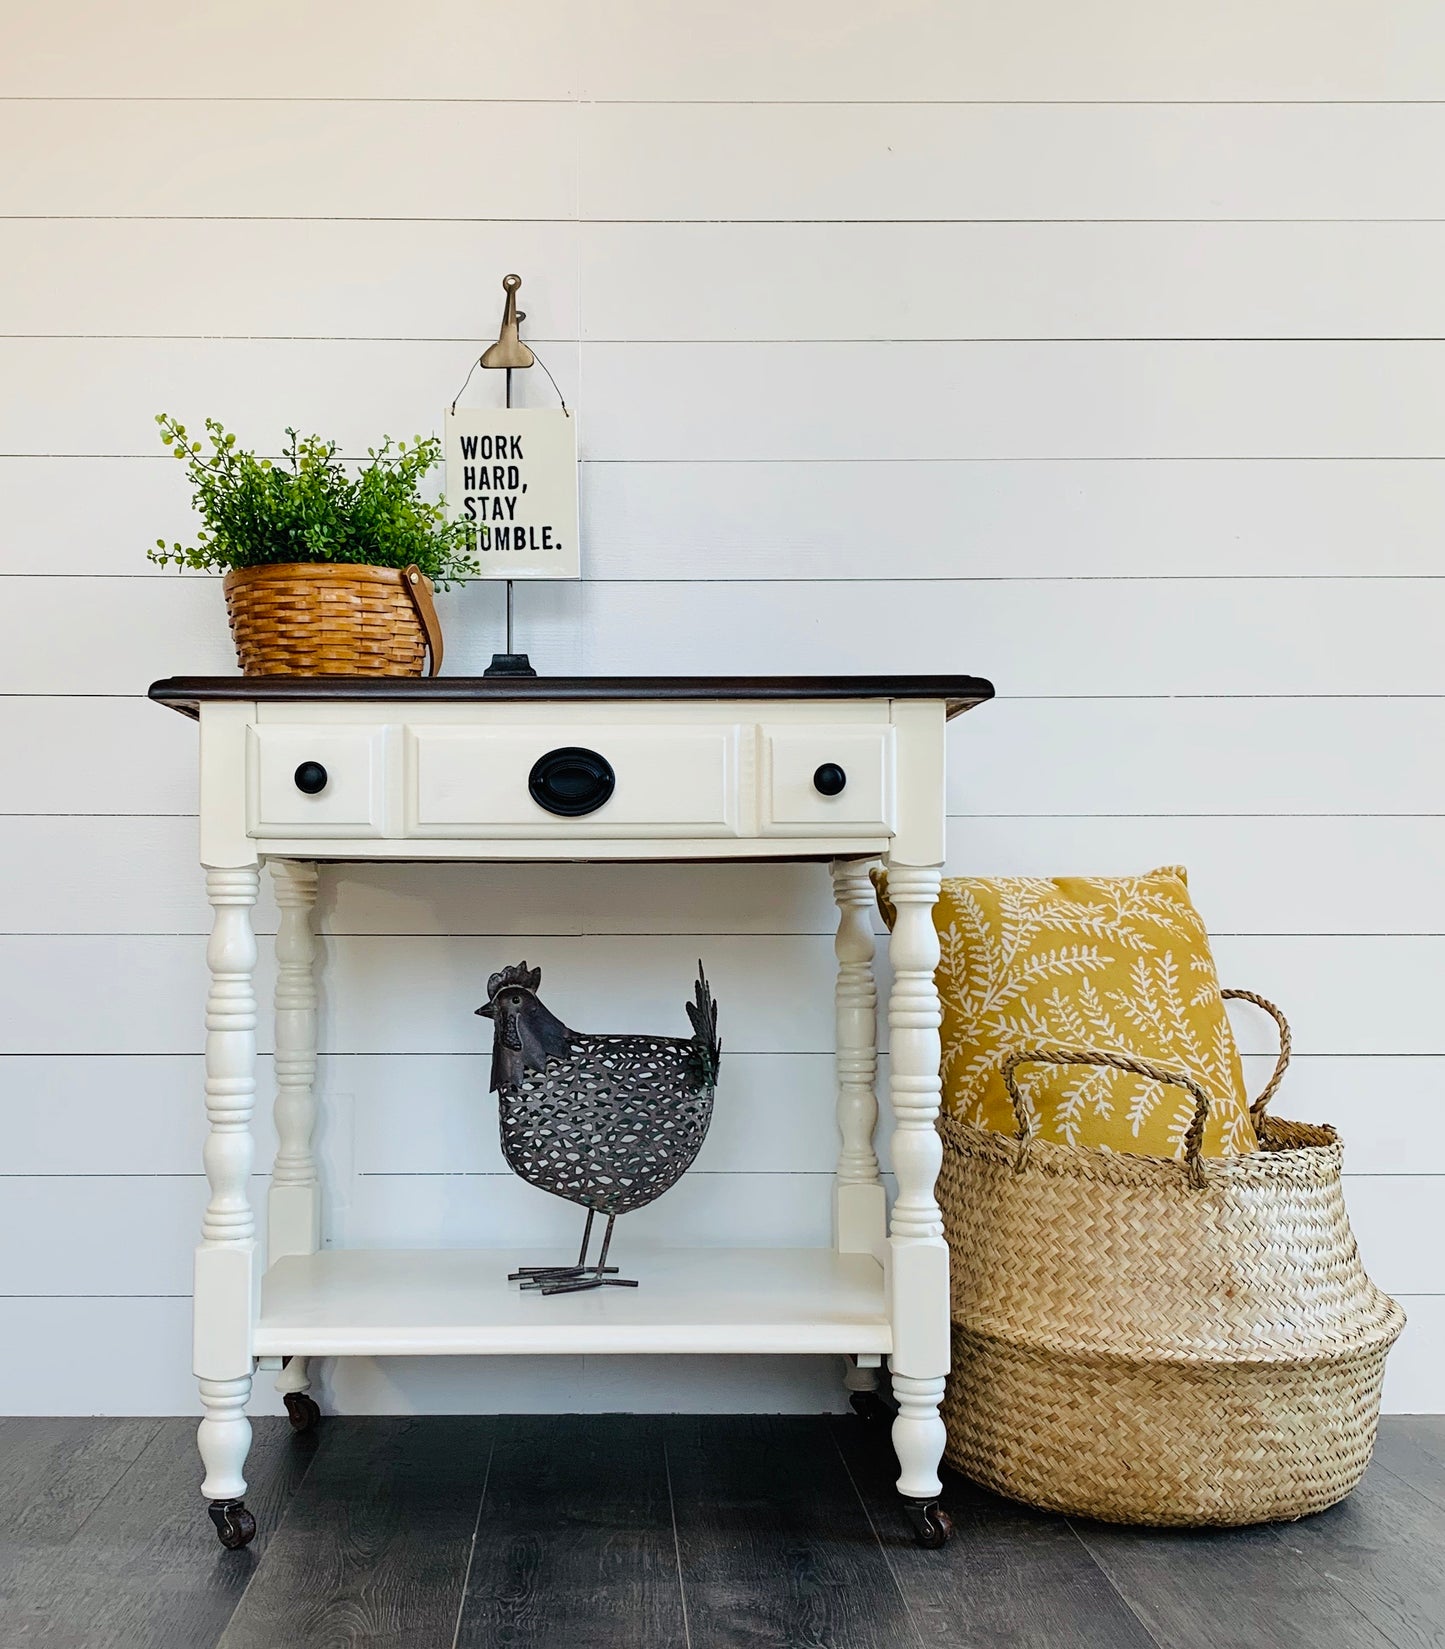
point(872, 1409)
point(932, 1526)
point(302, 1410)
point(234, 1524)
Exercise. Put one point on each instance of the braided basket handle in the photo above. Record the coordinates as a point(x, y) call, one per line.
point(1193, 1140)
point(1281, 1065)
point(419, 589)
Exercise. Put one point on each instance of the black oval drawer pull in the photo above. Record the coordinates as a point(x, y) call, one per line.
point(571, 781)
point(829, 779)
point(311, 778)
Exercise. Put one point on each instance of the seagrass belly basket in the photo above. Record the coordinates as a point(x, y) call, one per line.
point(1162, 1342)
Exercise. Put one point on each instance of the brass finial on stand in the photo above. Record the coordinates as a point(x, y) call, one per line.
point(511, 353)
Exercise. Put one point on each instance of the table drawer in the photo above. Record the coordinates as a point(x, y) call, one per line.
point(315, 781)
point(802, 769)
point(574, 780)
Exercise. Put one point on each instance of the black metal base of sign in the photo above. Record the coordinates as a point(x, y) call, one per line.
point(509, 664)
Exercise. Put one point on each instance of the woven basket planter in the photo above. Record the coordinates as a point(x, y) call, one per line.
point(1159, 1342)
point(300, 619)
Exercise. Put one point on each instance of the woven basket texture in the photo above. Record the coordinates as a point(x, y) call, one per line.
point(324, 620)
point(1132, 1347)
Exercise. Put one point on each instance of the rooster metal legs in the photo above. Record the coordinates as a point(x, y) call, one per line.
point(571, 1279)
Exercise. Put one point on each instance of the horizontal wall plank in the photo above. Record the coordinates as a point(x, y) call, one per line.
point(951, 49)
point(160, 1217)
point(194, 158)
point(817, 520)
point(1094, 637)
point(1251, 875)
point(1344, 995)
point(805, 49)
point(1206, 756)
point(144, 1346)
point(449, 48)
point(290, 278)
point(705, 162)
point(1390, 1112)
point(93, 874)
point(775, 1111)
point(1116, 638)
point(1042, 518)
point(82, 1115)
point(1389, 1213)
point(154, 1004)
point(681, 402)
point(613, 984)
point(429, 1113)
point(380, 1113)
point(1027, 400)
point(354, 392)
point(774, 1114)
point(52, 502)
point(87, 755)
point(1003, 280)
point(771, 1210)
point(386, 279)
point(1374, 1003)
point(409, 1114)
point(1270, 756)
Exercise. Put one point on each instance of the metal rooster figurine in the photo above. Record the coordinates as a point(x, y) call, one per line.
point(608, 1122)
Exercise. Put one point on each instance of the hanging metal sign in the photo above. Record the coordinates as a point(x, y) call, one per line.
point(513, 471)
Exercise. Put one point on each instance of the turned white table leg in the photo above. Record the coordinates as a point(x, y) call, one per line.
point(918, 1254)
point(226, 1258)
point(859, 1209)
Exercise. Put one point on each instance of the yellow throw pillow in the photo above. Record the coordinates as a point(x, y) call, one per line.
point(1115, 964)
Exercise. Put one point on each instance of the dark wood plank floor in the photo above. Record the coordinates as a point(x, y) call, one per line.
point(642, 1532)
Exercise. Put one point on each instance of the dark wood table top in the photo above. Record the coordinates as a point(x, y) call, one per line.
point(187, 693)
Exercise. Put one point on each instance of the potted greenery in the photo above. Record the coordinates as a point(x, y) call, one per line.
point(329, 571)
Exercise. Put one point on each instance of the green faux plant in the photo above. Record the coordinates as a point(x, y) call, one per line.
point(310, 507)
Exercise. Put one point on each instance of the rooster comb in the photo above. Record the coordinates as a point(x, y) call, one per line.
point(521, 974)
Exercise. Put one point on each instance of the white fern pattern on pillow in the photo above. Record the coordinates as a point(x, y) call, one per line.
point(1111, 964)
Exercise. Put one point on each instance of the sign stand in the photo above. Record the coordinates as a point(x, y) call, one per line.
point(511, 353)
point(514, 473)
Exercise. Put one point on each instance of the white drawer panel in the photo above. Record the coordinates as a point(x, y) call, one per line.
point(353, 800)
point(792, 803)
point(670, 781)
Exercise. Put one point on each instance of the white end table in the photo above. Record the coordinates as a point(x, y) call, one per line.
point(296, 770)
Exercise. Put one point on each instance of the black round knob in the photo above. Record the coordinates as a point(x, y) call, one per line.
point(571, 781)
point(311, 778)
point(829, 779)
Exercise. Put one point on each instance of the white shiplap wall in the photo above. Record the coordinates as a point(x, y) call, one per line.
point(1096, 348)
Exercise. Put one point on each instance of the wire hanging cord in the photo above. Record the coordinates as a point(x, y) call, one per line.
point(540, 362)
point(551, 380)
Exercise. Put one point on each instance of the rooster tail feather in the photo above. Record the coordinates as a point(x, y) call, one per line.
point(702, 1012)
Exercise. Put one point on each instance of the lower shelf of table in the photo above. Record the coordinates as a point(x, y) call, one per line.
point(439, 1302)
